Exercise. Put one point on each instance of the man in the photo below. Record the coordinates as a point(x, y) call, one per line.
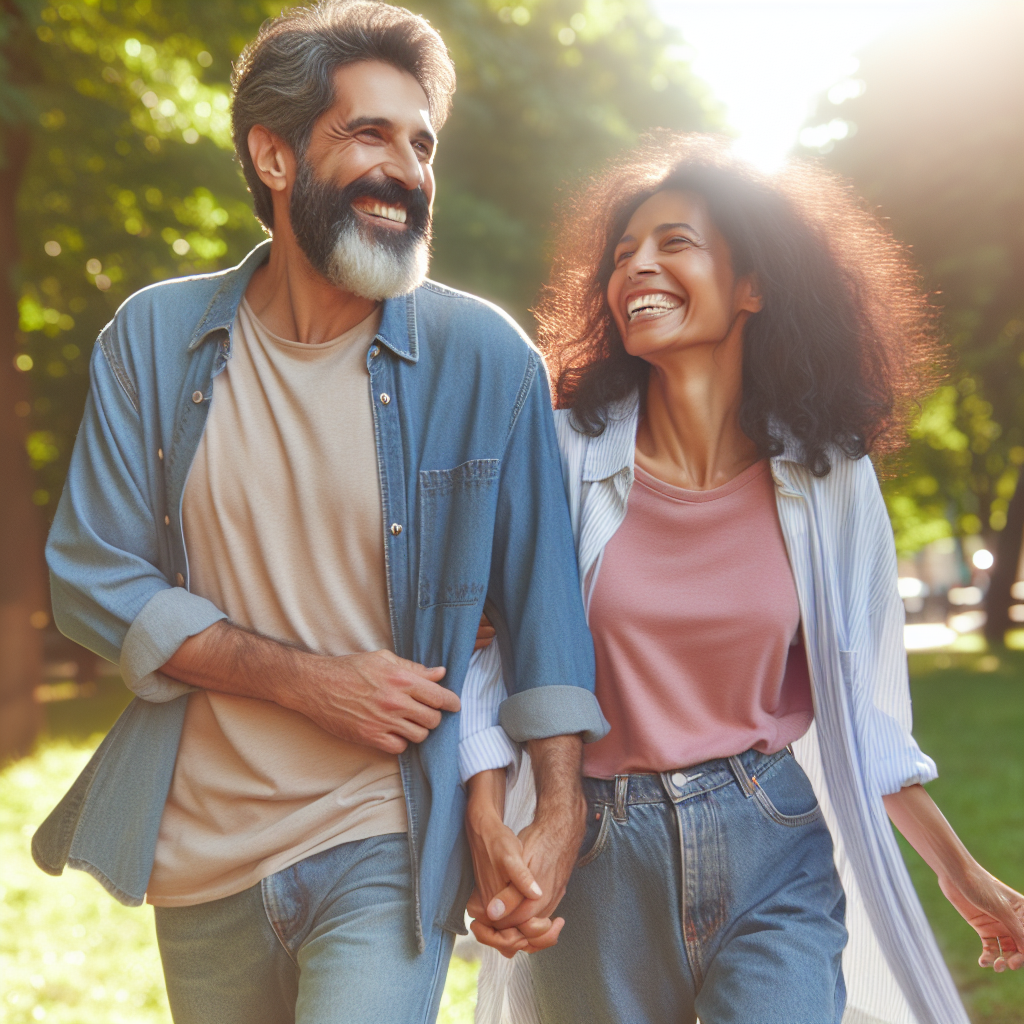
point(295, 487)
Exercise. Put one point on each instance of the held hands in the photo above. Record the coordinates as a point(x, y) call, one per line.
point(522, 879)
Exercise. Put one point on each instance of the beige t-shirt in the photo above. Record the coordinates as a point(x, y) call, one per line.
point(284, 531)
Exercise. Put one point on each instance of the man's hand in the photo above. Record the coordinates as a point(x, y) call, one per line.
point(515, 917)
point(375, 699)
point(498, 861)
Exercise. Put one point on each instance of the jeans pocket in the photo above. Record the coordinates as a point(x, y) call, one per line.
point(786, 796)
point(456, 508)
point(596, 836)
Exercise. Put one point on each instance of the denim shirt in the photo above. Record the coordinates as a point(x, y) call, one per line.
point(474, 513)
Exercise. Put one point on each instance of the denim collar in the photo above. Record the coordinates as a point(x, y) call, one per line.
point(397, 325)
point(612, 451)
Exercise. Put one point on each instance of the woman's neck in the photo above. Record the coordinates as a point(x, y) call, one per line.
point(690, 434)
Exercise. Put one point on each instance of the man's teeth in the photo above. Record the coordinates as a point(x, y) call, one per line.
point(656, 304)
point(395, 213)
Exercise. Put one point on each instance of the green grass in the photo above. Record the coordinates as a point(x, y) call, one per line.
point(71, 955)
point(969, 715)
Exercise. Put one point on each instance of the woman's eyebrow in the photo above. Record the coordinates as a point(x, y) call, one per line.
point(684, 225)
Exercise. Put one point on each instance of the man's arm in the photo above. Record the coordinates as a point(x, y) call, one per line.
point(375, 699)
point(520, 880)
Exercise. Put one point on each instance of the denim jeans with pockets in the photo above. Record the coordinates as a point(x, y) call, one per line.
point(708, 892)
point(328, 940)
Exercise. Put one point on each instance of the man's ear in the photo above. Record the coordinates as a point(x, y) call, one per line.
point(748, 294)
point(272, 157)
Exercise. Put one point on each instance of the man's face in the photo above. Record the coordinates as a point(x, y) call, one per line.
point(360, 204)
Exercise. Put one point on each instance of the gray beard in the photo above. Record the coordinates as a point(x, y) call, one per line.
point(360, 264)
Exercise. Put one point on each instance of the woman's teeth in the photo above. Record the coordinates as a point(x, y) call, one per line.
point(395, 213)
point(652, 305)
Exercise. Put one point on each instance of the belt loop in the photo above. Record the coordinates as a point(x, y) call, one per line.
point(741, 775)
point(621, 790)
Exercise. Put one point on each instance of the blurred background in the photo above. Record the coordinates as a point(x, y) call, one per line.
point(116, 171)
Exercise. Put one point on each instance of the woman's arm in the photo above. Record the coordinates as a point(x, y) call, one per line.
point(992, 909)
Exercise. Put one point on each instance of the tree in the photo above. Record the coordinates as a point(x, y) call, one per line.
point(933, 132)
point(126, 177)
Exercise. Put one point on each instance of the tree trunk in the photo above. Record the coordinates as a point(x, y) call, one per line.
point(1004, 571)
point(24, 601)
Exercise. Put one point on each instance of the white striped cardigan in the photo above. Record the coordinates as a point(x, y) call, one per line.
point(859, 748)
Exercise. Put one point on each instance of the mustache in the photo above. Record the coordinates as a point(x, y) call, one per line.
point(321, 211)
point(388, 192)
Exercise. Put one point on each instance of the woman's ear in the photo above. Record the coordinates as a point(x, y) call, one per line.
point(748, 294)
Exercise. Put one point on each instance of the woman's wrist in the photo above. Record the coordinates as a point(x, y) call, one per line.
point(485, 798)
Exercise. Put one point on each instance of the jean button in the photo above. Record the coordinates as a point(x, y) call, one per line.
point(679, 779)
point(384, 399)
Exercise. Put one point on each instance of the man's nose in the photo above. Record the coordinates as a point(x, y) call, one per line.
point(403, 165)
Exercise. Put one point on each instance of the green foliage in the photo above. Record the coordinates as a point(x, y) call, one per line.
point(934, 134)
point(131, 178)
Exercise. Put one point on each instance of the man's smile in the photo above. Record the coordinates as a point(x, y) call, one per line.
point(370, 207)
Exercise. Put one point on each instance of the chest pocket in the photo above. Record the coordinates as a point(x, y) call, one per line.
point(456, 515)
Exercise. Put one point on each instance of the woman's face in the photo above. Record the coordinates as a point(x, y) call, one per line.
point(673, 285)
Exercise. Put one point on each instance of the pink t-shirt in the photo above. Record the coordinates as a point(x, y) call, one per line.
point(694, 614)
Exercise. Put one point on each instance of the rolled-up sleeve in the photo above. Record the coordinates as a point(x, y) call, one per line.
point(108, 593)
point(877, 671)
point(547, 654)
point(483, 744)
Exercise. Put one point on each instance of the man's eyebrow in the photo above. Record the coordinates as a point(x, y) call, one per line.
point(386, 123)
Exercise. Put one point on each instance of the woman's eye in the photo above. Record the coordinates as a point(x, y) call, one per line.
point(622, 256)
point(678, 240)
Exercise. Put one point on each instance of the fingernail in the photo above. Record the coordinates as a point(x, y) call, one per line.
point(536, 890)
point(496, 910)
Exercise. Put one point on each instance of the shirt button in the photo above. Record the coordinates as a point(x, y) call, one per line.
point(396, 528)
point(385, 398)
point(197, 396)
point(679, 779)
point(179, 579)
point(160, 454)
point(374, 352)
point(167, 520)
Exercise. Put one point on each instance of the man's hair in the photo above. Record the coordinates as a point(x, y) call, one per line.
point(284, 78)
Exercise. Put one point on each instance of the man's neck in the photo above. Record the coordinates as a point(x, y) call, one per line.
point(294, 302)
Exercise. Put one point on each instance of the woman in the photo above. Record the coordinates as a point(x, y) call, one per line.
point(726, 349)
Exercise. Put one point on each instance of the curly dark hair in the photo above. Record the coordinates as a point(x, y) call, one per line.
point(845, 343)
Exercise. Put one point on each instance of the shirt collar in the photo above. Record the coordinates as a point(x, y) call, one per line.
point(397, 325)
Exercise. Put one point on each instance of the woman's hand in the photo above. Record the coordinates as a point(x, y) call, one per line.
point(992, 909)
point(485, 633)
point(995, 912)
point(503, 879)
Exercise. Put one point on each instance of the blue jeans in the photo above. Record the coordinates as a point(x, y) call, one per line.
point(708, 892)
point(327, 941)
